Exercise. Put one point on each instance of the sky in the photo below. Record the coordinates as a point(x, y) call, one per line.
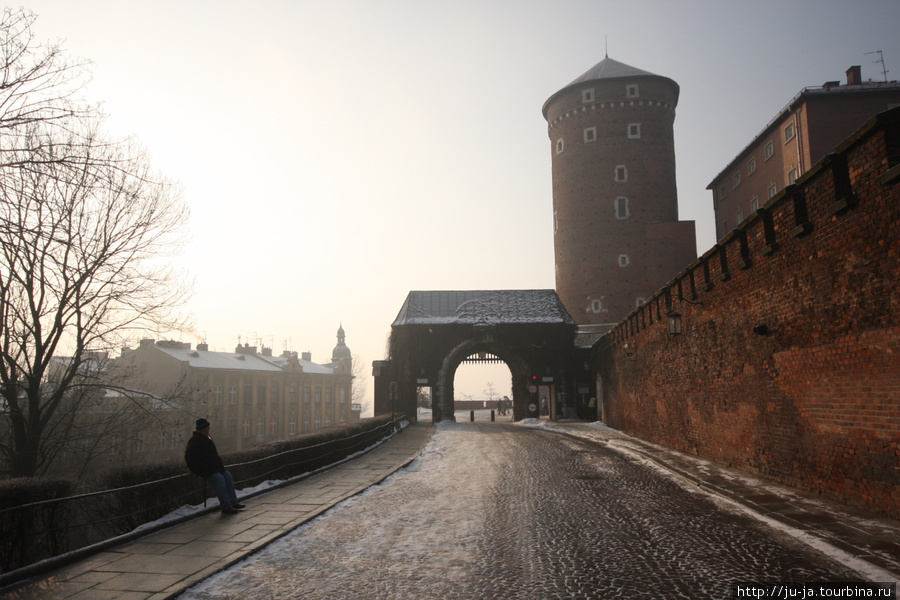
point(337, 154)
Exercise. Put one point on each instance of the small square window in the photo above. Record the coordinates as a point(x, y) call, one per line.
point(559, 146)
point(621, 173)
point(736, 179)
point(590, 135)
point(587, 95)
point(638, 302)
point(789, 132)
point(634, 131)
point(770, 149)
point(596, 306)
point(751, 165)
point(623, 260)
point(631, 90)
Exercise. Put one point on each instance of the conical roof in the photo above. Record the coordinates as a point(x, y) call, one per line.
point(608, 69)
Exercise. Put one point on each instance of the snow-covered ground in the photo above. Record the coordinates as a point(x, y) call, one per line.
point(405, 539)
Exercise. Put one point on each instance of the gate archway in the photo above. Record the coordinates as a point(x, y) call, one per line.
point(435, 331)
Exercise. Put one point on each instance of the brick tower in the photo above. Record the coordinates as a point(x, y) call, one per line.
point(617, 237)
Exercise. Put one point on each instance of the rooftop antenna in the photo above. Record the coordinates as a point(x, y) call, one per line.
point(606, 45)
point(880, 60)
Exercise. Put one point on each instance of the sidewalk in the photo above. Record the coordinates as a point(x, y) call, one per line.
point(164, 564)
point(868, 538)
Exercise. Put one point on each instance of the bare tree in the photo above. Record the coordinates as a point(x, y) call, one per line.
point(360, 386)
point(490, 391)
point(85, 226)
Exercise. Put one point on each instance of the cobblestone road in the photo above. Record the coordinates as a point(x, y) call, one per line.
point(496, 511)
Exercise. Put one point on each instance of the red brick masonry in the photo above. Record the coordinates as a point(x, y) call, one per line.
point(789, 361)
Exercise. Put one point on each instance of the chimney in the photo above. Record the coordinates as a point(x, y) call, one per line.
point(853, 75)
point(306, 356)
point(203, 347)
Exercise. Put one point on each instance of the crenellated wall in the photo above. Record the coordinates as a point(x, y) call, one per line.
point(788, 363)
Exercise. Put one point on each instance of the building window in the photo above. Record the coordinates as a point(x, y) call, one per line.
point(631, 90)
point(587, 95)
point(770, 149)
point(639, 301)
point(305, 424)
point(736, 179)
point(559, 146)
point(293, 426)
point(327, 420)
point(789, 132)
point(248, 395)
point(722, 192)
point(328, 395)
point(621, 173)
point(739, 218)
point(273, 429)
point(318, 395)
point(725, 226)
point(754, 204)
point(274, 395)
point(751, 165)
point(232, 394)
point(773, 189)
point(307, 394)
point(623, 260)
point(622, 211)
point(218, 394)
point(293, 395)
point(634, 131)
point(317, 423)
point(792, 176)
point(342, 396)
point(139, 442)
point(596, 306)
point(245, 426)
point(590, 135)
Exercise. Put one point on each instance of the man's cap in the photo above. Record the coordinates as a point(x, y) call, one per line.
point(202, 424)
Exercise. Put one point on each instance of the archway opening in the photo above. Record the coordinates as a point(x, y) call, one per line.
point(482, 382)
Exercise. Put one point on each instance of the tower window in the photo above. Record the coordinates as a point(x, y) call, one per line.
point(631, 90)
point(638, 302)
point(590, 135)
point(792, 175)
point(770, 149)
point(634, 131)
point(622, 211)
point(754, 204)
point(559, 146)
point(739, 218)
point(621, 173)
point(773, 189)
point(736, 179)
point(751, 165)
point(623, 260)
point(587, 95)
point(596, 306)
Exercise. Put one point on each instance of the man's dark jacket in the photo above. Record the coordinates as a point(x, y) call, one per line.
point(201, 456)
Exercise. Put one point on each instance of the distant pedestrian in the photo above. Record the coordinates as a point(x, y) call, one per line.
point(203, 460)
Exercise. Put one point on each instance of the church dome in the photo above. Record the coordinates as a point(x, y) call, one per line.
point(341, 351)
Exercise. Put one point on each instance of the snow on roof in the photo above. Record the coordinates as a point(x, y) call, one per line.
point(482, 307)
point(205, 359)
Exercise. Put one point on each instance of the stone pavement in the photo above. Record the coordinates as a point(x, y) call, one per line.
point(164, 564)
point(867, 537)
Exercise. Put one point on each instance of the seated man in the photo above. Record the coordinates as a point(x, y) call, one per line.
point(203, 460)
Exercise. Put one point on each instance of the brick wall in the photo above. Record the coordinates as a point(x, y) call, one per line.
point(788, 365)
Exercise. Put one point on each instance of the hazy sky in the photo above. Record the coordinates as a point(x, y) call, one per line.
point(338, 154)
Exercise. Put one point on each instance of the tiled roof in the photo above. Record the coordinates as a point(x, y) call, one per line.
point(482, 307)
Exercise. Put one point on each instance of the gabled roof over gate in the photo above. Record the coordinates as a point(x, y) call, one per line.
point(482, 307)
